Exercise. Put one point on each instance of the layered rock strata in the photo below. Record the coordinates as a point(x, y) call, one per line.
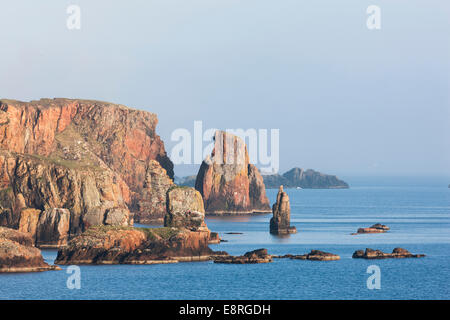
point(95, 159)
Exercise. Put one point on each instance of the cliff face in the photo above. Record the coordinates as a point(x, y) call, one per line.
point(305, 179)
point(227, 181)
point(91, 158)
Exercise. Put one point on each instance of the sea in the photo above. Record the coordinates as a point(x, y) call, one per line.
point(416, 210)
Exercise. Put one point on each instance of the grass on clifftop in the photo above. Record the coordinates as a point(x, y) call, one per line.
point(151, 233)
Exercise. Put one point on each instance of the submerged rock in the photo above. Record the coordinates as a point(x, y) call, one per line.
point(378, 254)
point(280, 223)
point(228, 182)
point(17, 253)
point(255, 256)
point(315, 255)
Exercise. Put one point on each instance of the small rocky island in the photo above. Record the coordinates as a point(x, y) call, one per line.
point(314, 255)
point(304, 179)
point(378, 254)
point(252, 257)
point(376, 228)
point(280, 223)
point(17, 253)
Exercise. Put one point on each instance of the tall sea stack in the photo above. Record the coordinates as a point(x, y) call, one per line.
point(281, 220)
point(227, 180)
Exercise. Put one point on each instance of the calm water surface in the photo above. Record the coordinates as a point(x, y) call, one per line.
point(419, 218)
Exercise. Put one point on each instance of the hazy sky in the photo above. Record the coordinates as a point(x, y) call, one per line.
point(347, 100)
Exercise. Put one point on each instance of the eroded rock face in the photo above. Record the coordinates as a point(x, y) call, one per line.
point(128, 245)
point(280, 223)
point(378, 254)
point(227, 181)
point(185, 210)
point(18, 255)
point(89, 157)
point(255, 256)
point(151, 206)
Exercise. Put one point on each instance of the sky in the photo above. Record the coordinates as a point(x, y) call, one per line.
point(346, 100)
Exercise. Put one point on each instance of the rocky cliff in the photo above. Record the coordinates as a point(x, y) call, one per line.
point(227, 181)
point(305, 179)
point(17, 253)
point(95, 159)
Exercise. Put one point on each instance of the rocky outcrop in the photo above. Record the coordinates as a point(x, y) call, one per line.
point(151, 207)
point(376, 228)
point(305, 179)
point(252, 257)
point(185, 210)
point(227, 181)
point(314, 255)
point(128, 245)
point(95, 159)
point(280, 223)
point(378, 254)
point(17, 253)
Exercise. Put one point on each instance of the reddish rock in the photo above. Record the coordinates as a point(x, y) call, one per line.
point(280, 223)
point(128, 245)
point(376, 228)
point(18, 255)
point(378, 254)
point(89, 157)
point(227, 181)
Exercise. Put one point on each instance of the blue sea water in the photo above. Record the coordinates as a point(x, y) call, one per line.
point(418, 215)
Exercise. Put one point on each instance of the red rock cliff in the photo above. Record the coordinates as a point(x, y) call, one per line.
point(92, 158)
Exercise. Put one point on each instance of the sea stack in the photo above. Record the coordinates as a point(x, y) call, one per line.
point(281, 220)
point(228, 182)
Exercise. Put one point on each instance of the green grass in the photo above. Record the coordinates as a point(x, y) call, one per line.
point(151, 233)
